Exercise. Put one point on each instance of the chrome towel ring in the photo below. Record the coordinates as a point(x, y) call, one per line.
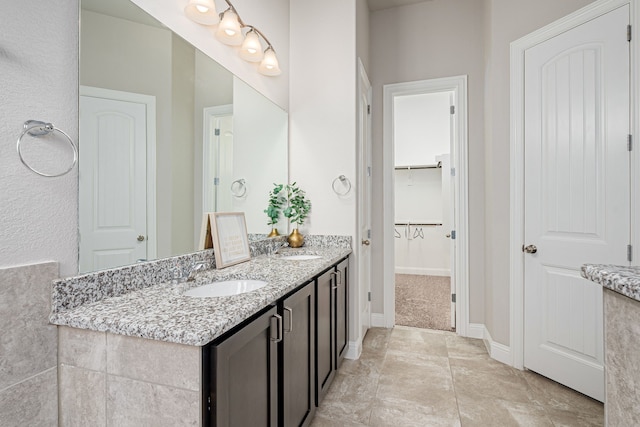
point(36, 128)
point(239, 188)
point(346, 184)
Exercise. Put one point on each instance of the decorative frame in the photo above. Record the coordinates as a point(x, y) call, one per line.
point(230, 239)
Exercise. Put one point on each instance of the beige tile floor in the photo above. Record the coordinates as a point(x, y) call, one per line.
point(417, 377)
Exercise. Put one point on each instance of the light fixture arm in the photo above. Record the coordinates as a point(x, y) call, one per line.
point(243, 25)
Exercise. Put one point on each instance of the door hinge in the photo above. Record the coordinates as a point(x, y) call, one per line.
point(452, 109)
point(216, 181)
point(453, 171)
point(368, 171)
point(453, 297)
point(368, 109)
point(629, 143)
point(216, 132)
point(629, 253)
point(369, 296)
point(369, 234)
point(628, 33)
point(453, 234)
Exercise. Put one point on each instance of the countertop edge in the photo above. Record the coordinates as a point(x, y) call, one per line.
point(624, 280)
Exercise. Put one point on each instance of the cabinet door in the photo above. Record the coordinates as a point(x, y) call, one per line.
point(342, 314)
point(325, 340)
point(298, 357)
point(246, 369)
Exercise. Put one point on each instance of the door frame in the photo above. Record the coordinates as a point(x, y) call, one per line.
point(207, 114)
point(150, 105)
point(364, 143)
point(459, 162)
point(518, 48)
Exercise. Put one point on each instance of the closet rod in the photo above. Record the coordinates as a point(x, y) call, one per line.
point(439, 165)
point(420, 225)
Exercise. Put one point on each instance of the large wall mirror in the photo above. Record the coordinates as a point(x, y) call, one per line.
point(166, 134)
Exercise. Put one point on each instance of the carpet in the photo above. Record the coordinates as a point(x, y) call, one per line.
point(423, 301)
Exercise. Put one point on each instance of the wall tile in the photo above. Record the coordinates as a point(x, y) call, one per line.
point(33, 402)
point(82, 397)
point(82, 348)
point(158, 362)
point(27, 343)
point(135, 403)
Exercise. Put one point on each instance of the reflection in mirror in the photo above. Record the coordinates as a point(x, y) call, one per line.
point(166, 134)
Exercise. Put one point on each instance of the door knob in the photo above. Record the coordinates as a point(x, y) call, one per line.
point(140, 238)
point(366, 242)
point(530, 249)
point(447, 236)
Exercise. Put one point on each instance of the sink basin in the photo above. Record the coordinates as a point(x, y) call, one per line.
point(225, 288)
point(300, 257)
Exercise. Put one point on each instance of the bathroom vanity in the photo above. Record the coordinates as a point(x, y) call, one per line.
point(150, 355)
point(622, 340)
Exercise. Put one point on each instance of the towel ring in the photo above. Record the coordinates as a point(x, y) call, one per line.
point(239, 188)
point(345, 182)
point(37, 129)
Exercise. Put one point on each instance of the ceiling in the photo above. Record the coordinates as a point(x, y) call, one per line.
point(387, 4)
point(123, 9)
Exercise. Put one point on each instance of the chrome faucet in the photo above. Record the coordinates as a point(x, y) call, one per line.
point(277, 246)
point(195, 268)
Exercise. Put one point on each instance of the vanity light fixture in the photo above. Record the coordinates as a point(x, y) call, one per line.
point(202, 11)
point(229, 31)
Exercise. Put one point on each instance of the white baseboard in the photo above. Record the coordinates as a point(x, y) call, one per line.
point(497, 351)
point(423, 271)
point(476, 330)
point(354, 350)
point(378, 320)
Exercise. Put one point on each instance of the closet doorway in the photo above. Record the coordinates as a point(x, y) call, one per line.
point(425, 130)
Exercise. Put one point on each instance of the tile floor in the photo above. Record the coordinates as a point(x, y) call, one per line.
point(416, 377)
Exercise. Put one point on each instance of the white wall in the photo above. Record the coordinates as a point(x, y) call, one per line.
point(39, 80)
point(419, 199)
point(272, 18)
point(421, 128)
point(259, 128)
point(438, 38)
point(322, 131)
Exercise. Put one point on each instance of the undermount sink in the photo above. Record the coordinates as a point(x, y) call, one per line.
point(300, 257)
point(225, 288)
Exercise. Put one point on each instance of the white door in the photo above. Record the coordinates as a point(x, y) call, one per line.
point(112, 200)
point(576, 194)
point(448, 225)
point(217, 164)
point(364, 194)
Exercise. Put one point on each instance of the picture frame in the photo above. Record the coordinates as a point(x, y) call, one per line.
point(230, 238)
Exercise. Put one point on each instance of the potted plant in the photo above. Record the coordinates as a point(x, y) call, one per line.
point(297, 210)
point(276, 200)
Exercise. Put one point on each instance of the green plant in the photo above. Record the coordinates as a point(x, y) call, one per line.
point(298, 206)
point(276, 199)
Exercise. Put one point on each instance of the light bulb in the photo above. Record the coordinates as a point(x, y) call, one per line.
point(269, 65)
point(229, 31)
point(251, 47)
point(202, 11)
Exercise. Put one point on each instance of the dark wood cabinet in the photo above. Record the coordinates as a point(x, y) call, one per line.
point(332, 323)
point(298, 357)
point(241, 375)
point(324, 333)
point(342, 314)
point(274, 369)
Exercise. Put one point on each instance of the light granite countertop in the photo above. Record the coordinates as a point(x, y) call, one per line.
point(622, 279)
point(161, 312)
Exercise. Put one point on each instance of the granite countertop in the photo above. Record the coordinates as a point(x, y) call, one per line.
point(161, 312)
point(622, 279)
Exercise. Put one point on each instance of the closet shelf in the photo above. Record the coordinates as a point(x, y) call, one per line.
point(436, 166)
